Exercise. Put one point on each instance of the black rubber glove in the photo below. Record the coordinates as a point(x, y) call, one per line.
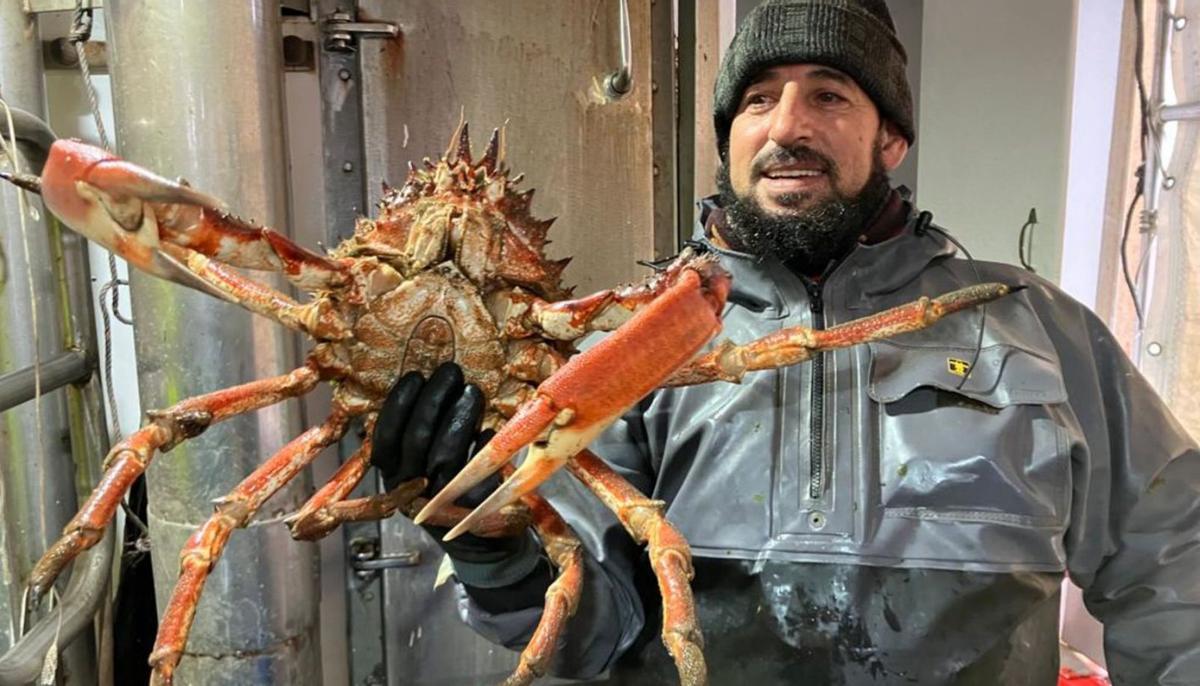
point(430, 429)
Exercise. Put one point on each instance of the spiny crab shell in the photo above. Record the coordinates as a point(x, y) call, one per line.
point(453, 255)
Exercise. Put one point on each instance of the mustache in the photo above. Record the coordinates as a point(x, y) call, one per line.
point(797, 154)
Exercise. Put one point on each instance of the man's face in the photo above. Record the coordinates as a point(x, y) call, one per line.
point(804, 135)
point(806, 167)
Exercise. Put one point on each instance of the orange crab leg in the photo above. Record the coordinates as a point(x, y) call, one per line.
point(593, 389)
point(129, 458)
point(131, 211)
point(527, 315)
point(316, 318)
point(670, 556)
point(730, 362)
point(326, 510)
point(203, 549)
point(562, 597)
point(314, 520)
point(509, 521)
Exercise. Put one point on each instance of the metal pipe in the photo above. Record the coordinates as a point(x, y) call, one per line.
point(1185, 111)
point(620, 82)
point(1152, 174)
point(67, 367)
point(197, 93)
point(1152, 177)
point(37, 469)
point(35, 133)
point(67, 621)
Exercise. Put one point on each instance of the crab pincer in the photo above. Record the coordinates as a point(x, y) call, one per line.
point(594, 388)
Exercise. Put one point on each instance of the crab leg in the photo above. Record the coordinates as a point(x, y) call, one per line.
point(316, 318)
point(323, 518)
point(129, 458)
point(172, 231)
point(314, 520)
point(588, 393)
point(326, 510)
point(130, 211)
point(525, 314)
point(233, 511)
point(562, 597)
point(730, 362)
point(670, 556)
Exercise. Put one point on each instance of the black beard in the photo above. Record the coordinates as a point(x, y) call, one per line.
point(807, 240)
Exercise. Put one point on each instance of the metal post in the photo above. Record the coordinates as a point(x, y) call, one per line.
point(1152, 175)
point(37, 473)
point(197, 93)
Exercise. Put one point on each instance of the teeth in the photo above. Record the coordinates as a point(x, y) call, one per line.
point(792, 173)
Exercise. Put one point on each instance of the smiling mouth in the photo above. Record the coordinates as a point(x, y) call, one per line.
point(792, 173)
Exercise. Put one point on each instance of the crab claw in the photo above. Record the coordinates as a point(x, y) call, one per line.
point(594, 388)
point(106, 199)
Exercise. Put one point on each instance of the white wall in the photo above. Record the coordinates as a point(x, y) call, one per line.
point(1094, 92)
point(994, 129)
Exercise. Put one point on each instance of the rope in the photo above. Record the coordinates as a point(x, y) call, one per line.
point(81, 31)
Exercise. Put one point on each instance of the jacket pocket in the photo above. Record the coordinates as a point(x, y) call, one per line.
point(985, 449)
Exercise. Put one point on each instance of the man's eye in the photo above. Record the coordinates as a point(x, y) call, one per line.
point(757, 100)
point(829, 97)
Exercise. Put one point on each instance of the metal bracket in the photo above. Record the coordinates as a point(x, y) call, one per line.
point(366, 561)
point(342, 31)
point(43, 6)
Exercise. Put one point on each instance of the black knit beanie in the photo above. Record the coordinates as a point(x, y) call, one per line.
point(856, 37)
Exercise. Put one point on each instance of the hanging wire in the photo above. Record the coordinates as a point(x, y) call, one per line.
point(925, 223)
point(49, 671)
point(106, 322)
point(1144, 133)
point(1129, 280)
point(81, 31)
point(1026, 253)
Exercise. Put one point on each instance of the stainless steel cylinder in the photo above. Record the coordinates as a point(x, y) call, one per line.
point(197, 93)
point(37, 488)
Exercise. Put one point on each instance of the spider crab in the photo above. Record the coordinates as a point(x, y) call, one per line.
point(451, 268)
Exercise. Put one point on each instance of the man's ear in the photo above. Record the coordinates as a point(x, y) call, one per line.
point(893, 146)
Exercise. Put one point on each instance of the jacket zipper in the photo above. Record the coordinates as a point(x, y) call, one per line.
point(816, 427)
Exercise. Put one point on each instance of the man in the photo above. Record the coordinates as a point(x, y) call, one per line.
point(898, 513)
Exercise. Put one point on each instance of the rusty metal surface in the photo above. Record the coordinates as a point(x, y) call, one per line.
point(539, 66)
point(197, 92)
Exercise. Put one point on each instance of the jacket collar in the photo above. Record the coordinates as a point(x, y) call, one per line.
point(871, 268)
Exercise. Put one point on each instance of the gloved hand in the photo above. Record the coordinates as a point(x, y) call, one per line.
point(430, 429)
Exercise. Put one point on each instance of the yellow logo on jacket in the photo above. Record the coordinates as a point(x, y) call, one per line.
point(957, 367)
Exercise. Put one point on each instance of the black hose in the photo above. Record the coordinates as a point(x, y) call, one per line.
point(35, 133)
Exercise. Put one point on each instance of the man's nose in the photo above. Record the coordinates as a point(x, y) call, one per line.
point(791, 120)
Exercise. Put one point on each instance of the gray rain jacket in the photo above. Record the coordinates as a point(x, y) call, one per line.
point(865, 520)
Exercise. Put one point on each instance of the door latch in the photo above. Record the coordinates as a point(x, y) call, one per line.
point(342, 31)
point(366, 560)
